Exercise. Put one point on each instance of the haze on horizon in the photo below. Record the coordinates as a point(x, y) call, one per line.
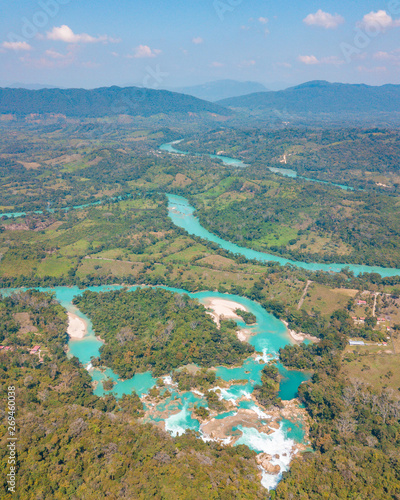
point(175, 44)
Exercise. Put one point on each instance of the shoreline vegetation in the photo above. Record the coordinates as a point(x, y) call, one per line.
point(300, 337)
point(225, 309)
point(146, 329)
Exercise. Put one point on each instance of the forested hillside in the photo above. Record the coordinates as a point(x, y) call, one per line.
point(366, 158)
point(319, 98)
point(106, 101)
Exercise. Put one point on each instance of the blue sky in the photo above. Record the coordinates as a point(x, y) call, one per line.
point(158, 44)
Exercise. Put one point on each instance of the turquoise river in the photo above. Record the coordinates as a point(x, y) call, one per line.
point(268, 335)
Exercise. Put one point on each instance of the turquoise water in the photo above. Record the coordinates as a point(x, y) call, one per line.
point(181, 214)
point(14, 215)
point(232, 162)
point(269, 334)
point(226, 160)
point(292, 431)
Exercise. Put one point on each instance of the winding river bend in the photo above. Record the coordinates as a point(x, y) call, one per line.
point(269, 334)
point(182, 215)
point(169, 147)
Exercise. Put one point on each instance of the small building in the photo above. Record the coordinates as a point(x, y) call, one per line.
point(35, 349)
point(356, 342)
point(362, 302)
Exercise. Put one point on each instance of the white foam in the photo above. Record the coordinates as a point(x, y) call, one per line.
point(227, 395)
point(273, 444)
point(259, 412)
point(207, 439)
point(266, 356)
point(89, 367)
point(168, 381)
point(269, 481)
point(179, 423)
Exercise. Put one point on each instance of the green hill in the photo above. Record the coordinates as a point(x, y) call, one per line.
point(323, 98)
point(106, 101)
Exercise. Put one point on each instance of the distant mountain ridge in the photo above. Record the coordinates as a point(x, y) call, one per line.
point(30, 86)
point(222, 89)
point(105, 101)
point(322, 97)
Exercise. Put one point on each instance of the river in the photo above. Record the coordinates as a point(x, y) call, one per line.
point(169, 147)
point(182, 215)
point(268, 335)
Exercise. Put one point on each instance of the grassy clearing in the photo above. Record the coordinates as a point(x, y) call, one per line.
point(324, 300)
point(379, 369)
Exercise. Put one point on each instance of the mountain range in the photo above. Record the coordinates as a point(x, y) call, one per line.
point(221, 89)
point(318, 97)
point(307, 103)
point(105, 101)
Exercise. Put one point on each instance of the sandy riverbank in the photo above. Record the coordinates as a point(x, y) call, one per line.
point(224, 309)
point(300, 337)
point(77, 327)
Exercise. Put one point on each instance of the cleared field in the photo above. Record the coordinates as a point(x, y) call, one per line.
point(324, 299)
point(379, 369)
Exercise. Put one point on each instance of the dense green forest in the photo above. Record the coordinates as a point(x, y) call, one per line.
point(74, 444)
point(267, 393)
point(323, 102)
point(355, 429)
point(106, 101)
point(158, 330)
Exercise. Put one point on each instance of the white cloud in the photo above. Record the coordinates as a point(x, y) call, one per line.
point(308, 59)
point(217, 64)
point(248, 63)
point(324, 19)
point(16, 45)
point(65, 34)
point(51, 59)
point(376, 69)
point(284, 65)
point(393, 56)
point(380, 20)
point(144, 51)
point(312, 60)
point(263, 20)
point(197, 40)
point(54, 55)
point(336, 61)
point(382, 56)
